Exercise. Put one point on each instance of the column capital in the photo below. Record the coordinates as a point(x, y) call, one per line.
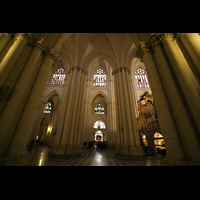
point(42, 44)
point(142, 49)
point(178, 35)
point(22, 36)
point(120, 69)
point(154, 40)
point(55, 55)
point(11, 35)
point(157, 38)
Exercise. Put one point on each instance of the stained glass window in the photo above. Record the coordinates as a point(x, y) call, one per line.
point(141, 78)
point(47, 108)
point(99, 78)
point(99, 123)
point(58, 77)
point(99, 109)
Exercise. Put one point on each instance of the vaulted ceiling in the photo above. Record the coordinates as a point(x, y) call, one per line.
point(80, 49)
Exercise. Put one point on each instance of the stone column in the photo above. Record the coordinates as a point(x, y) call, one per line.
point(183, 96)
point(54, 146)
point(17, 146)
point(58, 138)
point(12, 56)
point(74, 115)
point(69, 129)
point(113, 117)
point(4, 38)
point(11, 114)
point(179, 111)
point(174, 148)
point(80, 115)
point(118, 149)
point(129, 137)
point(191, 42)
point(181, 72)
point(37, 122)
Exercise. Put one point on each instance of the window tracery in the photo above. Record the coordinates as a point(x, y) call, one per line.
point(100, 124)
point(99, 78)
point(141, 78)
point(48, 108)
point(58, 77)
point(99, 109)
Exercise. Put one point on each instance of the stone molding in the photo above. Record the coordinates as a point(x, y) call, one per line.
point(120, 69)
point(78, 69)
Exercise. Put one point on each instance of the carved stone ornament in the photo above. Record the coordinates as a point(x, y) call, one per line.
point(42, 44)
point(21, 36)
point(55, 55)
point(154, 40)
point(142, 49)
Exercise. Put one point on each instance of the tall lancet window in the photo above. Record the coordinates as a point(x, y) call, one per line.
point(141, 78)
point(99, 78)
point(58, 77)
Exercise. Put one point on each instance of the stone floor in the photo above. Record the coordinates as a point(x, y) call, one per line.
point(90, 157)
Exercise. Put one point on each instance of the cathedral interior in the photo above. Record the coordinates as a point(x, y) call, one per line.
point(120, 98)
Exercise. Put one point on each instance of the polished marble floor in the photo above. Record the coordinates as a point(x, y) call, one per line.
point(90, 157)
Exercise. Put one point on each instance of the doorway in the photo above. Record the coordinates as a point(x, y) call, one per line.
point(98, 136)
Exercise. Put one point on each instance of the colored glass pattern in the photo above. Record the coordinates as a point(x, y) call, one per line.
point(99, 78)
point(47, 108)
point(99, 109)
point(58, 77)
point(141, 78)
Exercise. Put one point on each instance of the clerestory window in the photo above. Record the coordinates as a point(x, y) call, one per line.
point(141, 78)
point(99, 78)
point(58, 77)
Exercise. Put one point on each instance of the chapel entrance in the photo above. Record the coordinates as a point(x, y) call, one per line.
point(98, 136)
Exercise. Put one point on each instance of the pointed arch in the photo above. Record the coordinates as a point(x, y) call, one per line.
point(97, 93)
point(89, 60)
point(99, 118)
point(51, 94)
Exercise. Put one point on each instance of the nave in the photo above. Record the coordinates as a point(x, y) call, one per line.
point(90, 157)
